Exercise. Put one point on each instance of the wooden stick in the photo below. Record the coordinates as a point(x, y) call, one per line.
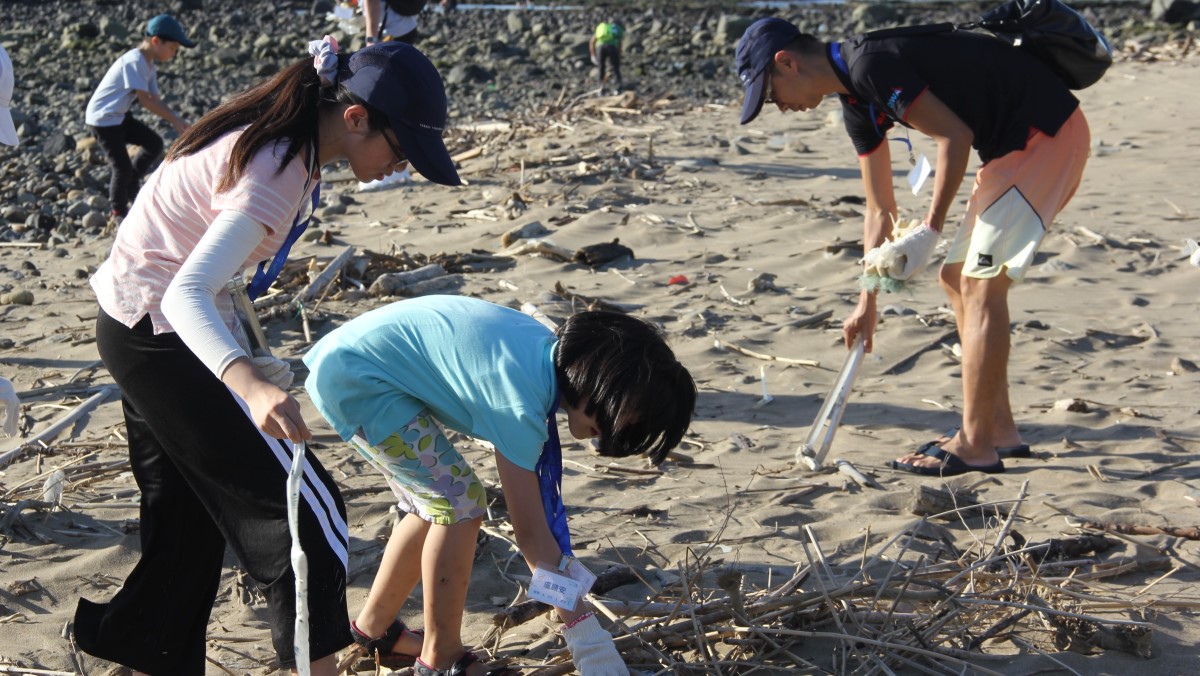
point(327, 275)
point(1189, 533)
point(721, 345)
point(845, 467)
point(58, 426)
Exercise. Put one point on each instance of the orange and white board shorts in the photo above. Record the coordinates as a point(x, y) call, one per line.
point(1015, 199)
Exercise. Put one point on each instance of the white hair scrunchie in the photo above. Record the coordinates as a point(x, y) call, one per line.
point(325, 61)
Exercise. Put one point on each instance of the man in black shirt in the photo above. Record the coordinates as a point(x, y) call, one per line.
point(965, 90)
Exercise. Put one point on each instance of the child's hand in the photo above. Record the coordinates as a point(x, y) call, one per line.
point(592, 649)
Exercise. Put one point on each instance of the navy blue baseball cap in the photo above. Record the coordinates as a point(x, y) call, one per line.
point(399, 81)
point(755, 52)
point(165, 26)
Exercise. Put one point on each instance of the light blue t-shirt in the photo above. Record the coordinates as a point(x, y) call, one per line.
point(481, 368)
point(118, 90)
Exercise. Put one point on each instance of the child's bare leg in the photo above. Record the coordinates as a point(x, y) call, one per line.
point(397, 577)
point(326, 666)
point(446, 567)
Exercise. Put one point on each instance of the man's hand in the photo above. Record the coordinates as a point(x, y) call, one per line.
point(913, 252)
point(861, 322)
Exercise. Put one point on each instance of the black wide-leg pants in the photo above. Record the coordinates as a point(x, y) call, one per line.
point(209, 478)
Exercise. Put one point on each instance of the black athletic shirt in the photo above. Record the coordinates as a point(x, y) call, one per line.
point(999, 91)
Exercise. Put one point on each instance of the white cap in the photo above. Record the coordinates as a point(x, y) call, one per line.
point(8, 133)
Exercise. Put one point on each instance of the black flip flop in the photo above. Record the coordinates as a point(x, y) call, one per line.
point(951, 465)
point(1020, 451)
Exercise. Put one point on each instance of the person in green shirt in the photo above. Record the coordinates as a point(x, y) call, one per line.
point(605, 48)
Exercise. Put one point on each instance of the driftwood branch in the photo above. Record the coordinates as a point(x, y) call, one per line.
point(57, 426)
point(327, 275)
point(1188, 533)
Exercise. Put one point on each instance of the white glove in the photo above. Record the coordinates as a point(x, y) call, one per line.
point(12, 407)
point(911, 252)
point(592, 649)
point(277, 371)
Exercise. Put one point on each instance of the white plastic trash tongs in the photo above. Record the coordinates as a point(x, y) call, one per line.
point(820, 436)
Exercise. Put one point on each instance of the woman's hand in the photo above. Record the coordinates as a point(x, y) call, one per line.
point(861, 322)
point(274, 411)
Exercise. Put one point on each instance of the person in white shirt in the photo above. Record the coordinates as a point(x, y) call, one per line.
point(133, 78)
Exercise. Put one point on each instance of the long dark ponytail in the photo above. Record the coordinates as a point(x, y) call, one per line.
point(287, 106)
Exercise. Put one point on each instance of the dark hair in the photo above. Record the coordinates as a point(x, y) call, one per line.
point(805, 44)
point(287, 106)
point(641, 396)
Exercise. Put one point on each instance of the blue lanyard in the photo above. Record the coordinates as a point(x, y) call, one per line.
point(266, 275)
point(835, 52)
point(549, 474)
point(911, 158)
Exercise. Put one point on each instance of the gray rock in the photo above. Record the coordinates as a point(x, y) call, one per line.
point(112, 28)
point(517, 23)
point(467, 72)
point(93, 220)
point(331, 210)
point(874, 15)
point(40, 221)
point(14, 214)
point(78, 209)
point(56, 143)
point(730, 28)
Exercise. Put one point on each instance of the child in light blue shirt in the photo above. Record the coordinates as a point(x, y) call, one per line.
point(389, 380)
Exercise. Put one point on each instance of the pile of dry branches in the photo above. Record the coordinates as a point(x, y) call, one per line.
point(917, 604)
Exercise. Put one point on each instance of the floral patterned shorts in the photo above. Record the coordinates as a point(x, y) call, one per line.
point(429, 477)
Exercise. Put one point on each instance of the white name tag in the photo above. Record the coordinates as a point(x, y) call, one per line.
point(918, 174)
point(555, 589)
point(582, 575)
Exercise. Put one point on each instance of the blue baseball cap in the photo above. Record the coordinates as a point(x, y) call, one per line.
point(755, 52)
point(399, 81)
point(165, 26)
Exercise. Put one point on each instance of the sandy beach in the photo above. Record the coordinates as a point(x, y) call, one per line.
point(745, 237)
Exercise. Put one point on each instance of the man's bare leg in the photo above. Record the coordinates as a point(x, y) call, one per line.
point(1005, 431)
point(981, 310)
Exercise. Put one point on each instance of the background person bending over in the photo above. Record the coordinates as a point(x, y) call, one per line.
point(964, 90)
point(605, 48)
point(134, 78)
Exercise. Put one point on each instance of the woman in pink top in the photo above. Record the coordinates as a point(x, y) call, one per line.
point(209, 426)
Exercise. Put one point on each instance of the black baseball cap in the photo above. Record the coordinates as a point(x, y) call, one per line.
point(165, 26)
point(755, 52)
point(397, 80)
